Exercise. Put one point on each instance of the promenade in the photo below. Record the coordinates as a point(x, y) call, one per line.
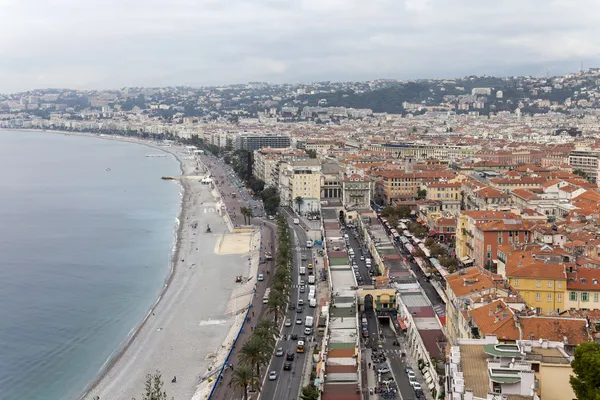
point(233, 199)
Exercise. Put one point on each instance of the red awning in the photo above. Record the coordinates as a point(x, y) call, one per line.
point(401, 323)
point(432, 232)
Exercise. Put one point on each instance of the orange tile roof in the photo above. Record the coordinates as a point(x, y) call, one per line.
point(496, 318)
point(530, 268)
point(549, 183)
point(504, 225)
point(555, 329)
point(525, 194)
point(584, 279)
point(489, 214)
point(469, 280)
point(489, 192)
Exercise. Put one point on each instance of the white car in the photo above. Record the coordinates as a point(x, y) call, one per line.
point(299, 321)
point(288, 322)
point(296, 221)
point(279, 352)
point(272, 375)
point(416, 386)
point(362, 258)
point(411, 375)
point(383, 370)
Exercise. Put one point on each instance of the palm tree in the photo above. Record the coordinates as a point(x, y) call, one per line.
point(299, 201)
point(242, 377)
point(309, 392)
point(243, 212)
point(250, 214)
point(253, 353)
point(267, 330)
point(276, 304)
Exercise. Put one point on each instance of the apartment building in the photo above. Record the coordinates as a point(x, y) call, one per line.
point(488, 235)
point(539, 274)
point(421, 151)
point(255, 141)
point(586, 160)
point(449, 195)
point(583, 288)
point(400, 185)
point(301, 179)
point(465, 230)
point(266, 163)
point(356, 191)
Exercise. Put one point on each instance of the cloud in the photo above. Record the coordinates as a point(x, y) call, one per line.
point(115, 43)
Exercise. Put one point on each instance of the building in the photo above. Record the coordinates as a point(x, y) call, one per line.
point(488, 235)
point(356, 191)
point(586, 160)
point(301, 179)
point(448, 194)
point(255, 141)
point(331, 182)
point(266, 163)
point(583, 289)
point(400, 185)
point(538, 274)
point(483, 369)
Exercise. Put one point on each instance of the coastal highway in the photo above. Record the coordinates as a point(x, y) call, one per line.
point(287, 384)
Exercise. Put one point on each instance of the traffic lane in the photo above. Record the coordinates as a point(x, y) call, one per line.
point(362, 266)
point(430, 291)
point(397, 364)
point(373, 329)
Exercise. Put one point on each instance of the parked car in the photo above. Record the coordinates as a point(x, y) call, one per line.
point(383, 370)
point(416, 386)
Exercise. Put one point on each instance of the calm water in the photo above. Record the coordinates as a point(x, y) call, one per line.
point(83, 254)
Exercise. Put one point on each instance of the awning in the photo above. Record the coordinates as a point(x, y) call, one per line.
point(401, 323)
point(464, 259)
point(432, 232)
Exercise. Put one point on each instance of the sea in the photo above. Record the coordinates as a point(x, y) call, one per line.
point(87, 229)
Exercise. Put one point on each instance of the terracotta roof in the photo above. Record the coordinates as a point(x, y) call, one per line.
point(555, 329)
point(504, 225)
point(530, 268)
point(569, 188)
point(490, 192)
point(445, 185)
point(525, 194)
point(552, 182)
point(584, 279)
point(489, 214)
point(468, 281)
point(495, 318)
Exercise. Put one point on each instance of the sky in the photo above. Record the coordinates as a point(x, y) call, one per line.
point(105, 44)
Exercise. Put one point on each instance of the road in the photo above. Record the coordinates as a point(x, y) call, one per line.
point(394, 355)
point(357, 246)
point(287, 384)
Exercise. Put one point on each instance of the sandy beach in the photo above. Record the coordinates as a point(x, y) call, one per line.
point(193, 323)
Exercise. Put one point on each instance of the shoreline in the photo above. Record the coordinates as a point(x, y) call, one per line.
point(117, 356)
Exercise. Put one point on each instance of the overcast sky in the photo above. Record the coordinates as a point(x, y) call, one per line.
point(116, 43)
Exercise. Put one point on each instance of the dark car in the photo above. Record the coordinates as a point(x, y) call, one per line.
point(290, 356)
point(287, 366)
point(294, 336)
point(299, 310)
point(292, 306)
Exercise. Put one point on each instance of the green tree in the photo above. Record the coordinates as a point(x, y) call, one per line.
point(586, 367)
point(154, 388)
point(421, 194)
point(429, 242)
point(436, 250)
point(387, 211)
point(309, 392)
point(299, 201)
point(311, 153)
point(242, 377)
point(255, 352)
point(393, 221)
point(450, 263)
point(403, 212)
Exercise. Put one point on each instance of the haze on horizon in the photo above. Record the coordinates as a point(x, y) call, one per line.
point(85, 44)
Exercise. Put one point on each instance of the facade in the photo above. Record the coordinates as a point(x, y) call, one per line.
point(301, 179)
point(266, 163)
point(448, 194)
point(426, 151)
point(331, 182)
point(400, 185)
point(583, 289)
point(255, 141)
point(356, 191)
point(586, 161)
point(487, 236)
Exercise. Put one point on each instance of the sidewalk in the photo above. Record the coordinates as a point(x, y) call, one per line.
point(224, 391)
point(410, 360)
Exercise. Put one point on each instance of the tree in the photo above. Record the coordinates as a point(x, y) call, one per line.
point(244, 212)
point(311, 153)
point(393, 221)
point(309, 392)
point(403, 212)
point(436, 250)
point(242, 377)
point(586, 367)
point(429, 242)
point(421, 194)
point(154, 388)
point(299, 201)
point(255, 352)
point(387, 211)
point(449, 263)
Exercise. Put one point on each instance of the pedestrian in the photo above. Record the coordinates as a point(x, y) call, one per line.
point(232, 367)
point(253, 313)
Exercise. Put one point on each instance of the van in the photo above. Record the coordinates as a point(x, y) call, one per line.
point(309, 244)
point(311, 280)
point(302, 270)
point(312, 302)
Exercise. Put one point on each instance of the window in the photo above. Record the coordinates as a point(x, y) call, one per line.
point(538, 283)
point(585, 296)
point(559, 284)
point(595, 297)
point(549, 284)
point(516, 282)
point(538, 296)
point(559, 297)
point(573, 296)
point(489, 255)
point(489, 247)
point(549, 297)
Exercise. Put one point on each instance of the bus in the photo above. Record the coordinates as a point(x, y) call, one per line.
point(266, 296)
point(300, 346)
